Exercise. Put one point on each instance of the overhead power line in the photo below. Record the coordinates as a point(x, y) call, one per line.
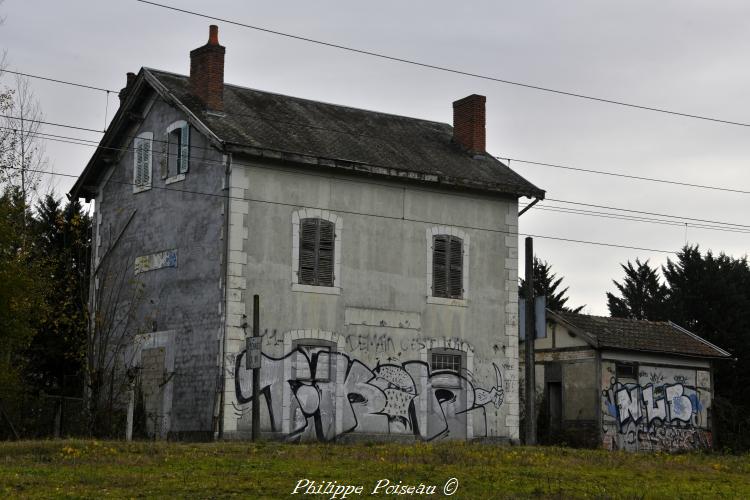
point(52, 124)
point(628, 176)
point(365, 214)
point(95, 144)
point(447, 69)
point(505, 158)
point(55, 80)
point(642, 219)
point(647, 213)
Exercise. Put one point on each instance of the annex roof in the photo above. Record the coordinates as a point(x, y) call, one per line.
point(639, 335)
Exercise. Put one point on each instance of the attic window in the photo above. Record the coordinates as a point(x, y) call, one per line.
point(142, 145)
point(316, 252)
point(177, 151)
point(447, 266)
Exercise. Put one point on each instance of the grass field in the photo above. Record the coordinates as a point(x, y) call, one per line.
point(96, 469)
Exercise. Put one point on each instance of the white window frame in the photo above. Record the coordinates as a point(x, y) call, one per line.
point(179, 176)
point(458, 233)
point(143, 186)
point(314, 213)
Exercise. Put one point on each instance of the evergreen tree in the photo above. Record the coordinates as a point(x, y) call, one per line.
point(642, 295)
point(57, 354)
point(546, 283)
point(21, 293)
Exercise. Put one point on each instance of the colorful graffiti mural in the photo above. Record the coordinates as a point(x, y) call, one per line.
point(664, 417)
point(321, 394)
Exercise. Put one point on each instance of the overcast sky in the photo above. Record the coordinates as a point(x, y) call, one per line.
point(688, 56)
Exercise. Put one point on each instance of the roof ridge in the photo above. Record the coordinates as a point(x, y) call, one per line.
point(617, 318)
point(311, 100)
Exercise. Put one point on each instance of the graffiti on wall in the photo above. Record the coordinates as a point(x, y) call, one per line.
point(653, 416)
point(329, 394)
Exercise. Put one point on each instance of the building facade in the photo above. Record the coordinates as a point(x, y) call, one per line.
point(383, 249)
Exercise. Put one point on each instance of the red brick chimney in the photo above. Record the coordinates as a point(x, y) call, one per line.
point(125, 90)
point(207, 72)
point(468, 122)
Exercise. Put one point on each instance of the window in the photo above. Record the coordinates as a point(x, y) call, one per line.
point(177, 149)
point(447, 266)
point(627, 371)
point(316, 252)
point(142, 161)
point(444, 361)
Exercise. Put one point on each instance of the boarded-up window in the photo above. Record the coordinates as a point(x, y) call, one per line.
point(317, 239)
point(447, 266)
point(312, 362)
point(142, 160)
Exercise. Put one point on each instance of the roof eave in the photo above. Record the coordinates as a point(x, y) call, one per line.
point(590, 338)
point(351, 166)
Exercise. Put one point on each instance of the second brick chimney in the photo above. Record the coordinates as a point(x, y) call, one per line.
point(126, 89)
point(468, 122)
point(207, 72)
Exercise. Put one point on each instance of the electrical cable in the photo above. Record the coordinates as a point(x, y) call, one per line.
point(446, 69)
point(92, 143)
point(364, 214)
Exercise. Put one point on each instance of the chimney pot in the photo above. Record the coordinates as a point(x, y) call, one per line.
point(469, 122)
point(207, 72)
point(213, 35)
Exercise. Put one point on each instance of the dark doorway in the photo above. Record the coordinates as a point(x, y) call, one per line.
point(554, 409)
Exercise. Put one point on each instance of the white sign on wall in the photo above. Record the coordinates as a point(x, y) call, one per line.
point(159, 260)
point(253, 352)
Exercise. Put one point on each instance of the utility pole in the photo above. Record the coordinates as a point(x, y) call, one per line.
point(256, 370)
point(529, 358)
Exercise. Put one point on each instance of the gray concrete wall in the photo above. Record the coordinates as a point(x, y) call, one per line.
point(183, 300)
point(379, 321)
point(579, 390)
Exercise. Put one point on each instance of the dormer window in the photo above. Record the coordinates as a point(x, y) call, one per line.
point(177, 151)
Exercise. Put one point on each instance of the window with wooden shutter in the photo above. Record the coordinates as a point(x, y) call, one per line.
point(317, 239)
point(177, 149)
point(142, 161)
point(447, 266)
point(184, 149)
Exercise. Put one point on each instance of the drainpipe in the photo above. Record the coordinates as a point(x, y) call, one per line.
point(224, 273)
point(526, 209)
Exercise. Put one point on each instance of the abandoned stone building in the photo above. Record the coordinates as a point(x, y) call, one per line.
point(624, 384)
point(383, 249)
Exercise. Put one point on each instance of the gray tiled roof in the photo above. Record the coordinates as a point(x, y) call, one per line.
point(269, 121)
point(639, 335)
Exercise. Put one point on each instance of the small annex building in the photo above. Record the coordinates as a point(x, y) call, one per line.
point(624, 384)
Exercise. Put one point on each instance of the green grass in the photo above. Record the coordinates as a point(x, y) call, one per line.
point(96, 469)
